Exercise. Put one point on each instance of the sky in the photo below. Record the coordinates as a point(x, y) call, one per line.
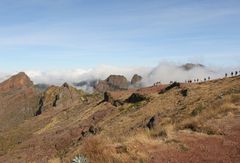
point(44, 35)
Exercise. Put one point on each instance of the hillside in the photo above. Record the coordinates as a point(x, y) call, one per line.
point(194, 122)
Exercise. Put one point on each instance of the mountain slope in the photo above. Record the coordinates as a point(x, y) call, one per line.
point(174, 121)
point(18, 100)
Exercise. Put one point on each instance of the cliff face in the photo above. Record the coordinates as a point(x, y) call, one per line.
point(18, 100)
point(112, 83)
point(59, 97)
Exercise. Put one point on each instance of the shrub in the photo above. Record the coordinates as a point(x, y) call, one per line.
point(80, 159)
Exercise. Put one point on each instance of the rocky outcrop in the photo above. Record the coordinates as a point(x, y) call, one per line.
point(184, 92)
point(136, 79)
point(136, 97)
point(19, 100)
point(108, 98)
point(117, 81)
point(171, 86)
point(153, 121)
point(102, 86)
point(61, 97)
point(112, 83)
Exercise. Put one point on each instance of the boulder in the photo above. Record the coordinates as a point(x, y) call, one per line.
point(136, 97)
point(153, 121)
point(184, 92)
point(108, 97)
point(171, 86)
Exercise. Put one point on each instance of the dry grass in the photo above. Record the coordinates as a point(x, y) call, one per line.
point(99, 149)
point(216, 110)
point(124, 127)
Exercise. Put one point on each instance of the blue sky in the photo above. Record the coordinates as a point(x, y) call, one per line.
point(65, 34)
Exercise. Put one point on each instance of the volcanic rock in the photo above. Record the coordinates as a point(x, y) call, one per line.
point(112, 83)
point(153, 121)
point(136, 79)
point(117, 81)
point(108, 97)
point(136, 97)
point(63, 96)
point(171, 86)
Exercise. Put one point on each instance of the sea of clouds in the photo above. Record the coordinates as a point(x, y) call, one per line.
point(164, 72)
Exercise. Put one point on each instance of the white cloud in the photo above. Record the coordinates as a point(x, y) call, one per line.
point(164, 72)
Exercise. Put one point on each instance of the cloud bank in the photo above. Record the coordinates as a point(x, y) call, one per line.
point(164, 72)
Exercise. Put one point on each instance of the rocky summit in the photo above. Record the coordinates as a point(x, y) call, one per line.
point(18, 100)
point(19, 81)
point(112, 83)
point(136, 79)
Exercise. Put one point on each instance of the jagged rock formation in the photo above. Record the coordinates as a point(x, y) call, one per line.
point(171, 86)
point(117, 81)
point(64, 96)
point(18, 100)
point(112, 83)
point(136, 97)
point(108, 98)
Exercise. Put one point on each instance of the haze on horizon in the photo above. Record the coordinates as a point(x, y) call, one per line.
point(79, 36)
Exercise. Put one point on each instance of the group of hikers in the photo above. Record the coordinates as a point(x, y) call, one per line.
point(205, 79)
point(231, 74)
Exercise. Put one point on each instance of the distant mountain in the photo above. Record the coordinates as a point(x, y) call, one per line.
point(189, 66)
point(112, 83)
point(18, 100)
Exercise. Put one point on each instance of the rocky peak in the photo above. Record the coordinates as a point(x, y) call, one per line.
point(112, 83)
point(18, 99)
point(136, 79)
point(17, 81)
point(63, 96)
point(117, 81)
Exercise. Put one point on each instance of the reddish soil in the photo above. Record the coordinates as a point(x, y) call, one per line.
point(203, 148)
